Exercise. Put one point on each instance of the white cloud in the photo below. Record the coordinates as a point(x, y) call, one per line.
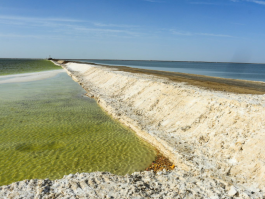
point(204, 3)
point(261, 2)
point(241, 24)
point(36, 19)
point(30, 36)
point(66, 26)
point(257, 1)
point(154, 1)
point(101, 30)
point(114, 25)
point(213, 35)
point(181, 33)
point(199, 34)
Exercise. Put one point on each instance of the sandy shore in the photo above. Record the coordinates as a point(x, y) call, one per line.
point(28, 77)
point(215, 138)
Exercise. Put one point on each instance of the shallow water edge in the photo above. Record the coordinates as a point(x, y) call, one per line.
point(50, 129)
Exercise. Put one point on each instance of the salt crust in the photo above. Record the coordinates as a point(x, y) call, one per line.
point(176, 184)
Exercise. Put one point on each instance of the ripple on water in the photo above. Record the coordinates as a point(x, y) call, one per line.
point(31, 147)
point(48, 130)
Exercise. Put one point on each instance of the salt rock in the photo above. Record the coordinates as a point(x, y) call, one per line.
point(232, 191)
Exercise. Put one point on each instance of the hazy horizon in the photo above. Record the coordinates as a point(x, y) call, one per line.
point(129, 60)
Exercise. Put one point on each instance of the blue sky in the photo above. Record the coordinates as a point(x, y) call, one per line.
point(187, 30)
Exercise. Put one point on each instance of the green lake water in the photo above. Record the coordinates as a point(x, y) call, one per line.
point(48, 129)
point(15, 66)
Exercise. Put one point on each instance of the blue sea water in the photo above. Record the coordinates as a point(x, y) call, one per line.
point(253, 72)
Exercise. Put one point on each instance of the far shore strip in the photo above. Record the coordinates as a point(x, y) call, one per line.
point(28, 77)
point(206, 82)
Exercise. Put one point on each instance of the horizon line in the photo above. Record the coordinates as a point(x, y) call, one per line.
point(139, 60)
point(161, 60)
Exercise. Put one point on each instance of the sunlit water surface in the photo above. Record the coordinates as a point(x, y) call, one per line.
point(48, 129)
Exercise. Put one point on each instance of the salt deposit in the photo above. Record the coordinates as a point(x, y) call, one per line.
point(215, 132)
point(176, 184)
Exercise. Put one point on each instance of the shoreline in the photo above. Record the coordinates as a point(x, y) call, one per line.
point(239, 86)
point(206, 82)
point(208, 134)
point(72, 60)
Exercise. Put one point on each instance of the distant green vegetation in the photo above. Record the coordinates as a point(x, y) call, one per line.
point(15, 66)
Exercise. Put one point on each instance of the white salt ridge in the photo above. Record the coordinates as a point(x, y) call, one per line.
point(201, 131)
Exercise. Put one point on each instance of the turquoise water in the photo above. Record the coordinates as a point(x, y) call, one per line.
point(254, 72)
point(48, 129)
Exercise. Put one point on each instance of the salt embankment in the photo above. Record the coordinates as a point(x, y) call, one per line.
point(215, 139)
point(203, 131)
